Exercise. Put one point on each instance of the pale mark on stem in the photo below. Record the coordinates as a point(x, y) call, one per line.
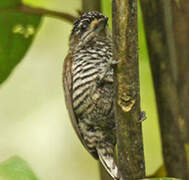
point(126, 103)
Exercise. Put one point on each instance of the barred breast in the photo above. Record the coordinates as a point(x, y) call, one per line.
point(91, 101)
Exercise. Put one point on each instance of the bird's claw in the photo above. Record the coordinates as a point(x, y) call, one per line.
point(114, 62)
point(142, 116)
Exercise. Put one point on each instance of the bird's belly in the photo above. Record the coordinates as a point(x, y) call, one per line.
point(95, 104)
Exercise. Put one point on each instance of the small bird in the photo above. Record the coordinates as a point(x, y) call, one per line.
point(88, 87)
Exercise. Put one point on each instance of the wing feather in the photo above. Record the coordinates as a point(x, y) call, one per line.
point(67, 83)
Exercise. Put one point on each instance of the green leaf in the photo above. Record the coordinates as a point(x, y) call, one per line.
point(107, 10)
point(16, 168)
point(9, 3)
point(17, 31)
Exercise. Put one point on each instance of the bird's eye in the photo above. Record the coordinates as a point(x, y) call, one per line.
point(84, 26)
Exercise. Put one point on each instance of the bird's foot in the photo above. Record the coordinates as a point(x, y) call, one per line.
point(114, 62)
point(142, 116)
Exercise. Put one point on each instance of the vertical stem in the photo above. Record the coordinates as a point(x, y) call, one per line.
point(127, 102)
point(180, 12)
point(104, 175)
point(161, 45)
point(91, 5)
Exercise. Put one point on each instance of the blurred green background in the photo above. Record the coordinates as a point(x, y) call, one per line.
point(34, 123)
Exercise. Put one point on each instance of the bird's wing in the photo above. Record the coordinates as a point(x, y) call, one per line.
point(67, 83)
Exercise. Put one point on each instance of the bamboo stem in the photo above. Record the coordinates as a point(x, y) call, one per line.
point(127, 102)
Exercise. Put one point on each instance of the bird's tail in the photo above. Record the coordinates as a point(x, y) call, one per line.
point(106, 156)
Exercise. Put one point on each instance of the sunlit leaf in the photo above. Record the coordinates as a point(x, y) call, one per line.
point(161, 172)
point(187, 153)
point(17, 31)
point(107, 10)
point(16, 168)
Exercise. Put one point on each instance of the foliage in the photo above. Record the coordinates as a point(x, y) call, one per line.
point(17, 32)
point(16, 168)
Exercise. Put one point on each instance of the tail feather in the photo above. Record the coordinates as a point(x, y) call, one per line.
point(106, 156)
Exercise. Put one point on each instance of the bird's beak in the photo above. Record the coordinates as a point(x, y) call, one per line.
point(102, 21)
point(100, 24)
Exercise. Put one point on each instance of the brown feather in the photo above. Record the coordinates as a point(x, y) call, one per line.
point(67, 83)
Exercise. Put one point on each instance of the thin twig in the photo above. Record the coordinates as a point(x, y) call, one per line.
point(42, 11)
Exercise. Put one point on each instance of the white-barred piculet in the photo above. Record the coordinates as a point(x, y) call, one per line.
point(88, 87)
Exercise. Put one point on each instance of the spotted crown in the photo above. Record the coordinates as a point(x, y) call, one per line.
point(86, 17)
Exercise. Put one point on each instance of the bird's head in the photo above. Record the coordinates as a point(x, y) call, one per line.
point(88, 26)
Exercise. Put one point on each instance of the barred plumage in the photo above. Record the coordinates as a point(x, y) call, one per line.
point(88, 65)
point(88, 85)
